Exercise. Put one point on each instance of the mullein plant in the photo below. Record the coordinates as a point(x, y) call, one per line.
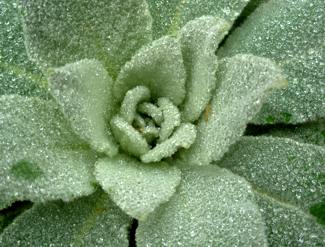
point(125, 119)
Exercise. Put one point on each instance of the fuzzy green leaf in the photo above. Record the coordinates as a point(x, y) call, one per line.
point(212, 207)
point(88, 221)
point(135, 187)
point(289, 226)
point(66, 31)
point(170, 16)
point(40, 157)
point(158, 66)
point(290, 171)
point(183, 137)
point(17, 74)
point(199, 41)
point(128, 137)
point(84, 92)
point(290, 32)
point(243, 81)
point(313, 132)
point(288, 180)
point(171, 118)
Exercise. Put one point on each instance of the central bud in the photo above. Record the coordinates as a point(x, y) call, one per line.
point(150, 129)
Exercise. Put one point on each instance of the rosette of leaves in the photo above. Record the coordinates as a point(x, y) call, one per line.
point(134, 116)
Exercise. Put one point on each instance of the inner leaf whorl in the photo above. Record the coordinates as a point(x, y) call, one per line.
point(146, 128)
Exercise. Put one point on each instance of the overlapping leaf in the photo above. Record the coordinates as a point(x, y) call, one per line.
point(289, 226)
point(158, 66)
point(66, 31)
point(313, 132)
point(288, 178)
point(88, 221)
point(136, 187)
point(84, 92)
point(291, 33)
point(17, 74)
point(40, 157)
point(243, 82)
point(170, 16)
point(212, 207)
point(199, 40)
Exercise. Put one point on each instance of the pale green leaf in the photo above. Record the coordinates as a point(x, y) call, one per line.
point(183, 137)
point(131, 100)
point(136, 187)
point(66, 31)
point(17, 74)
point(243, 82)
point(290, 171)
point(158, 66)
point(40, 157)
point(212, 207)
point(88, 221)
point(312, 132)
point(128, 137)
point(290, 32)
point(84, 91)
point(288, 180)
point(199, 41)
point(171, 118)
point(170, 16)
point(152, 111)
point(289, 226)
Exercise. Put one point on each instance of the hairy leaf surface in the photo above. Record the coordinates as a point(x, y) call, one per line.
point(84, 92)
point(88, 221)
point(66, 31)
point(243, 82)
point(40, 157)
point(18, 75)
point(170, 16)
point(136, 187)
point(288, 178)
point(290, 32)
point(212, 207)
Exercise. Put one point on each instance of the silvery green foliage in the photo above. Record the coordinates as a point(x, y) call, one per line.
point(116, 110)
point(272, 32)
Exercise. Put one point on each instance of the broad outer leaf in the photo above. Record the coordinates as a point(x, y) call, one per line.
point(17, 74)
point(84, 91)
point(212, 207)
point(88, 221)
point(243, 82)
point(282, 168)
point(40, 157)
point(289, 226)
point(158, 66)
point(313, 132)
point(288, 179)
point(136, 187)
point(64, 31)
point(199, 41)
point(170, 16)
point(290, 32)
